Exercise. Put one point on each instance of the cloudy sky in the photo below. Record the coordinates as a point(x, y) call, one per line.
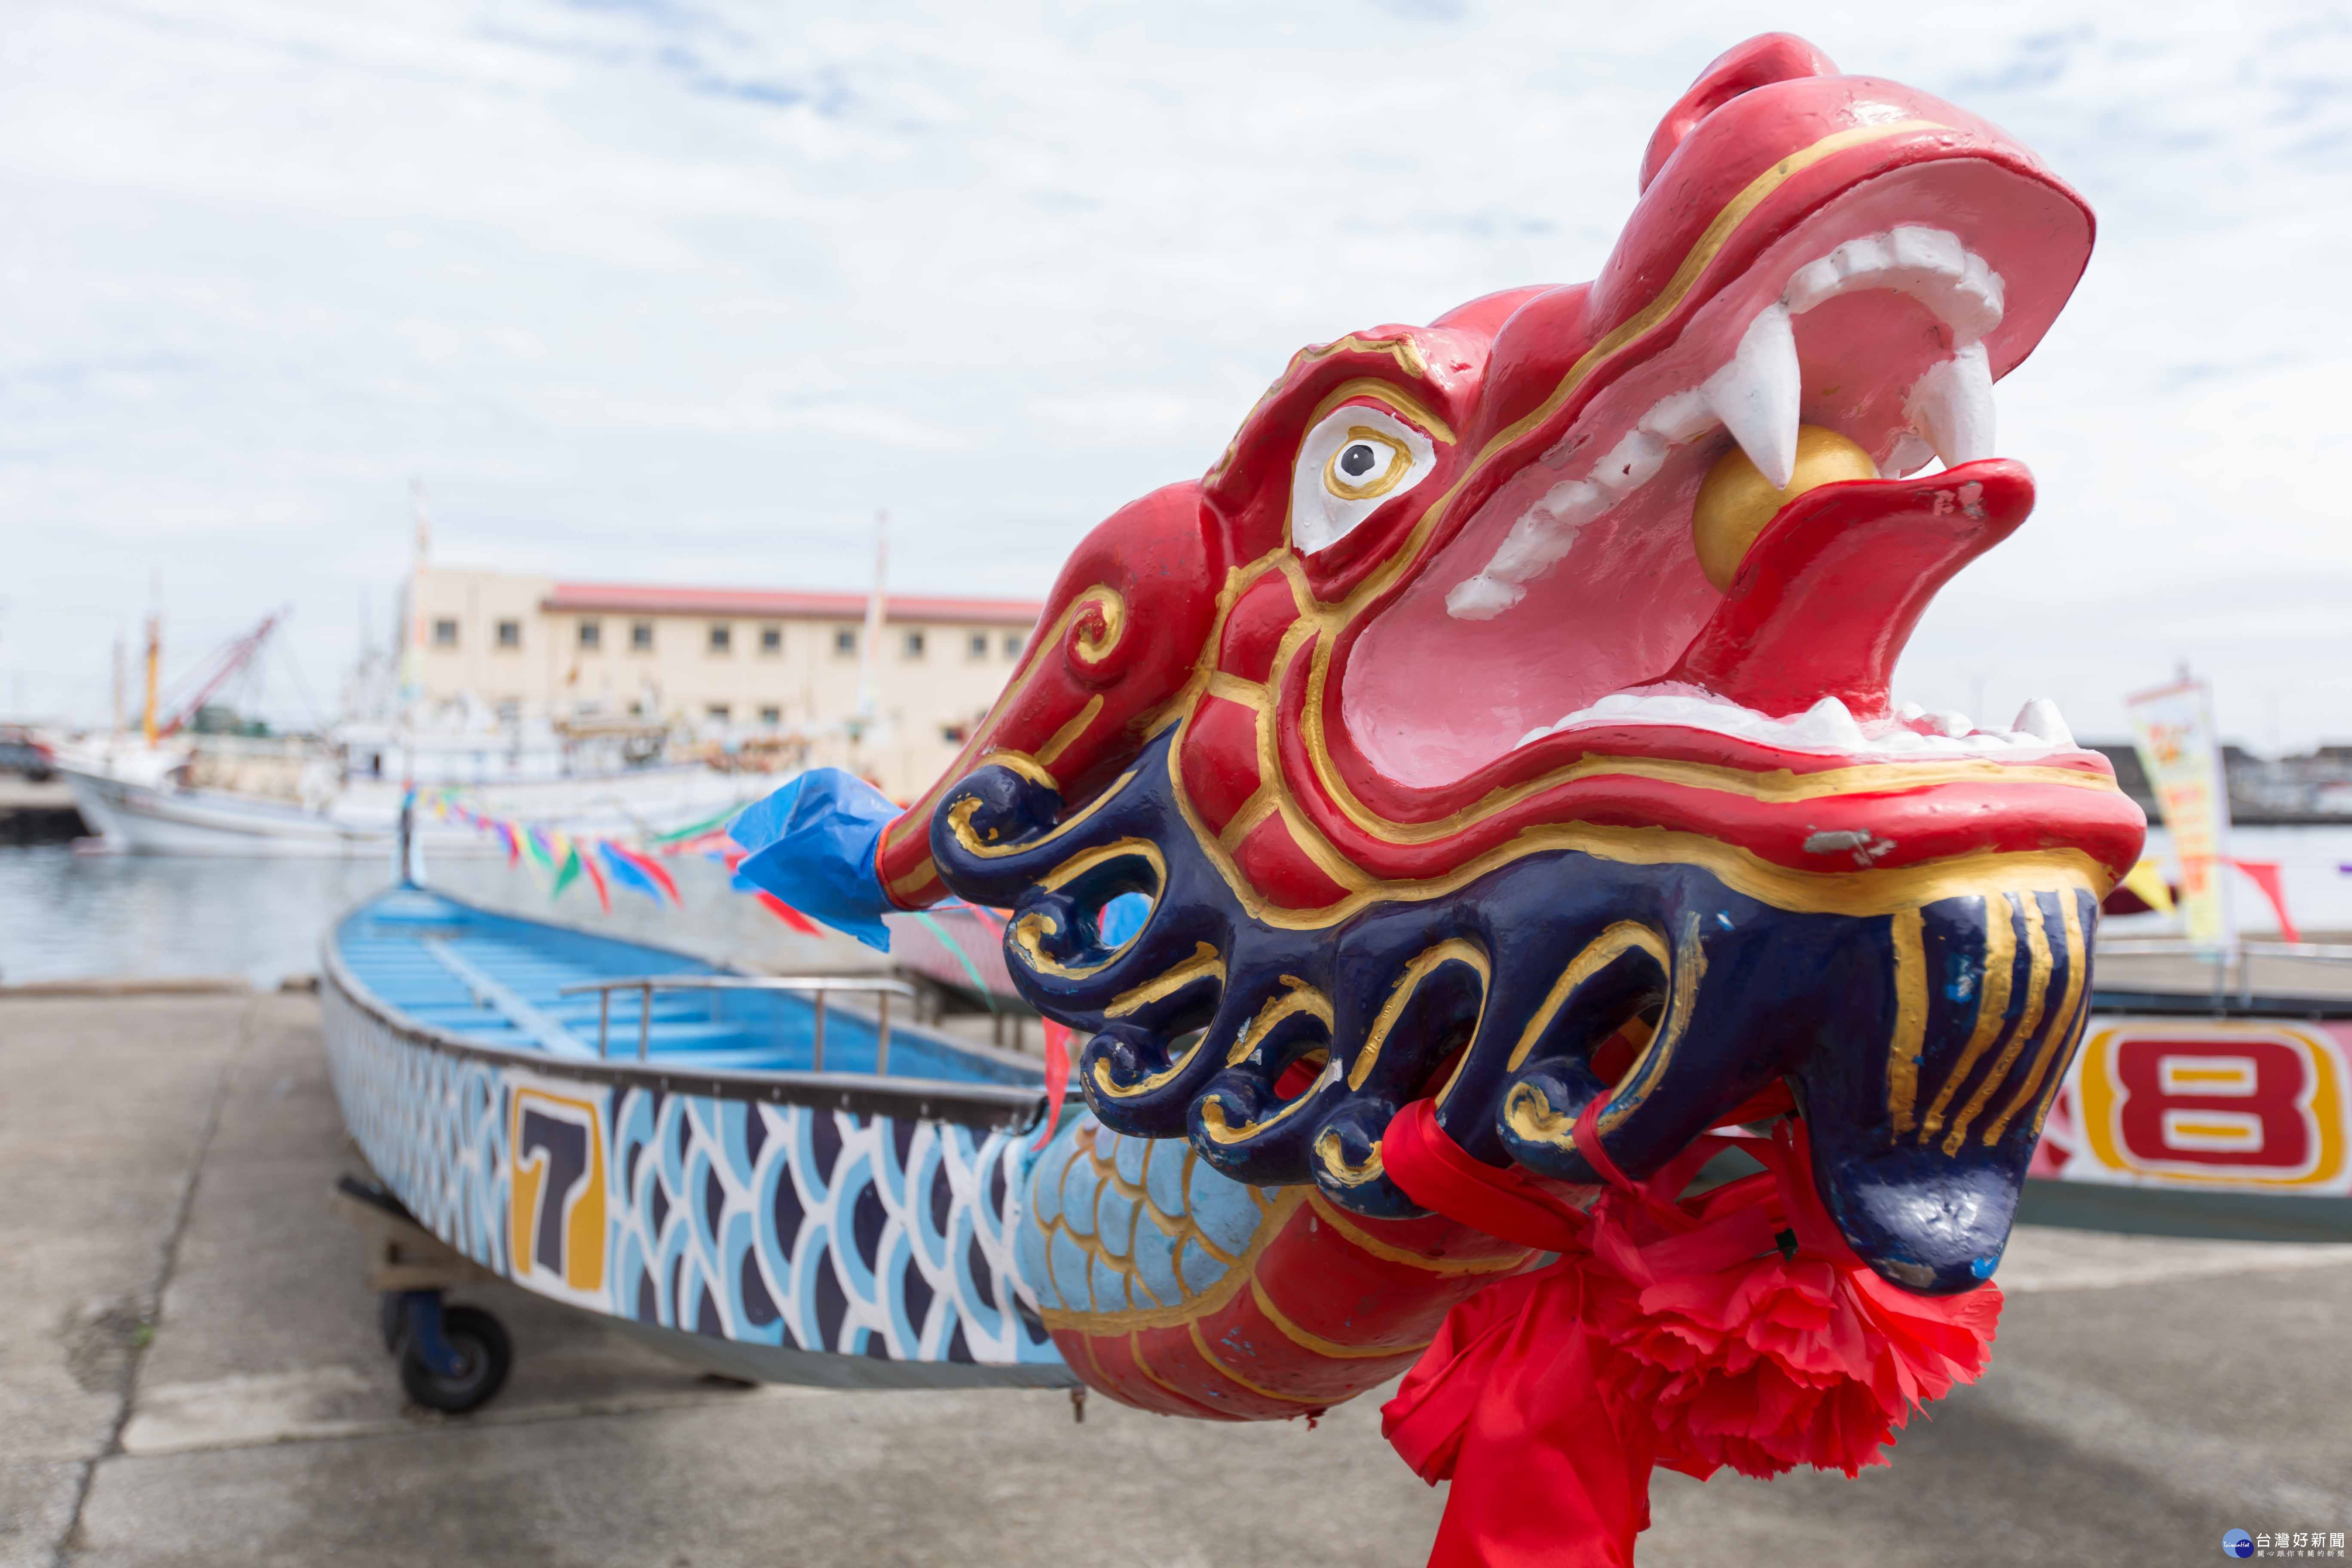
point(687, 291)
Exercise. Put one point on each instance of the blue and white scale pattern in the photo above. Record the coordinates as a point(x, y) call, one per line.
point(1129, 1225)
point(819, 1230)
point(773, 1224)
point(433, 1124)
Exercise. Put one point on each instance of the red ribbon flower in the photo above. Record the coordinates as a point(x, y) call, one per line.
point(1735, 1327)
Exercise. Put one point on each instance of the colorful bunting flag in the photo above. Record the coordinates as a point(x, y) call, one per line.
point(603, 861)
point(567, 862)
point(596, 875)
point(633, 870)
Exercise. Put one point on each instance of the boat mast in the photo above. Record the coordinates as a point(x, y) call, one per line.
point(412, 633)
point(869, 651)
point(154, 653)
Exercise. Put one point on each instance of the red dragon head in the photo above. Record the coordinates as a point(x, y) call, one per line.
point(1504, 719)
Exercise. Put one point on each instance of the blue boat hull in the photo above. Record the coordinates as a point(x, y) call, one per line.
point(719, 1198)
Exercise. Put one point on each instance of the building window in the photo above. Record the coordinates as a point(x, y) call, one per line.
point(510, 634)
point(641, 637)
point(845, 642)
point(915, 645)
point(771, 639)
point(722, 637)
point(978, 647)
point(445, 633)
point(717, 713)
point(954, 735)
point(772, 716)
point(592, 636)
point(1014, 643)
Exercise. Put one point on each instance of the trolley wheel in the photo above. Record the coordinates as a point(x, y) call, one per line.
point(484, 1352)
point(392, 1320)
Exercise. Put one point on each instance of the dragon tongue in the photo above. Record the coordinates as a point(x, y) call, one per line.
point(1827, 596)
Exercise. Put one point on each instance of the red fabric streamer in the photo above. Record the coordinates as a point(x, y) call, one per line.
point(596, 877)
point(2265, 875)
point(1734, 1328)
point(1057, 1078)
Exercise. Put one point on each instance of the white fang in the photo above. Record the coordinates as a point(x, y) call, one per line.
point(1756, 395)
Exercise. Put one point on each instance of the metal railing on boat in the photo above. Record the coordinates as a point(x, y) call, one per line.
point(881, 989)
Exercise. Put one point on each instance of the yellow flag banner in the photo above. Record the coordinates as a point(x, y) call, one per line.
point(2146, 881)
point(2173, 726)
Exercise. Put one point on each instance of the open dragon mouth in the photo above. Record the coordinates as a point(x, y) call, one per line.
point(1726, 535)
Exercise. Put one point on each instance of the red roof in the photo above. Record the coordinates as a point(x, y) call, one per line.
point(637, 598)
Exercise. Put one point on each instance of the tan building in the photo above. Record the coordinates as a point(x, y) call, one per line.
point(744, 665)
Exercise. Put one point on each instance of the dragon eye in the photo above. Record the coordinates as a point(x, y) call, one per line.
point(1369, 465)
point(1356, 457)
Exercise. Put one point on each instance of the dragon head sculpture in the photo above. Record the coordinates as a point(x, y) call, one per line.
point(1504, 719)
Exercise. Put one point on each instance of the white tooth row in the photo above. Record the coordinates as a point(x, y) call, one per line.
point(1829, 726)
point(1757, 396)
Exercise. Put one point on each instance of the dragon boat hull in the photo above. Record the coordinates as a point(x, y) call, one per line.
point(718, 1199)
point(722, 1201)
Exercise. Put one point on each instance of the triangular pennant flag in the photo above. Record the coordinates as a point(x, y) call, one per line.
point(567, 864)
point(652, 870)
point(633, 870)
point(588, 864)
point(1058, 1079)
point(2265, 875)
point(2146, 882)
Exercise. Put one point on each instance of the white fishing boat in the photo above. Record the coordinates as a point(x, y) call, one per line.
point(164, 790)
point(143, 800)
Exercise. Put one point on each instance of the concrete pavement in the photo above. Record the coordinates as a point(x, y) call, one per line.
point(189, 1374)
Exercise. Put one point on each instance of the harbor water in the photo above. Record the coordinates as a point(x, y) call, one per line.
point(65, 916)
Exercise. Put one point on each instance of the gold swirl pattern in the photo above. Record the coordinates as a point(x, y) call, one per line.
point(1109, 606)
point(1328, 1149)
point(1030, 931)
point(1624, 937)
point(1297, 998)
point(1530, 1113)
point(1454, 950)
point(1206, 963)
point(960, 813)
point(1099, 633)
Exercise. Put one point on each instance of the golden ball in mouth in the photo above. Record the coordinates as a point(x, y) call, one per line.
point(1736, 501)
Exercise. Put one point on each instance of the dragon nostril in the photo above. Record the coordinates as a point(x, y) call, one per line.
point(1296, 1078)
point(1614, 1057)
